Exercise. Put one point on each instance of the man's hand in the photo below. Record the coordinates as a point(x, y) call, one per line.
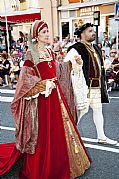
point(78, 59)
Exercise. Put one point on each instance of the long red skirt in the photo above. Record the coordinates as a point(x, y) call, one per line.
point(51, 160)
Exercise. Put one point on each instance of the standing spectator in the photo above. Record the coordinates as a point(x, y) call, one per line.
point(26, 37)
point(21, 37)
point(56, 44)
point(75, 27)
point(106, 45)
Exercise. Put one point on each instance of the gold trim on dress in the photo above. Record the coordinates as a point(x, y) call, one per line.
point(78, 159)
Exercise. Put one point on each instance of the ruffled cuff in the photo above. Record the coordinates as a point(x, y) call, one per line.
point(36, 90)
point(76, 68)
point(32, 97)
point(49, 86)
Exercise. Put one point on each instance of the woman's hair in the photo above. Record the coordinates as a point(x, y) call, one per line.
point(21, 34)
point(4, 55)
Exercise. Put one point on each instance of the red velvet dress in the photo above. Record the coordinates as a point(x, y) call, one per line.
point(60, 153)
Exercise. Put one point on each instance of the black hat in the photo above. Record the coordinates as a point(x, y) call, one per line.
point(82, 28)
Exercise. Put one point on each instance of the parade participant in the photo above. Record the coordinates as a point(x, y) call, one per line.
point(88, 78)
point(46, 135)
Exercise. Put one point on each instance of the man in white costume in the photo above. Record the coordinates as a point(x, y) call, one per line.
point(88, 79)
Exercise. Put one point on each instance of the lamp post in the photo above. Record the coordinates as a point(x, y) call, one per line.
point(7, 32)
point(96, 19)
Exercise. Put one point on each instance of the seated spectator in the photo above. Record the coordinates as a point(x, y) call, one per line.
point(115, 69)
point(1, 80)
point(24, 45)
point(1, 46)
point(113, 53)
point(16, 56)
point(14, 71)
point(18, 45)
point(5, 69)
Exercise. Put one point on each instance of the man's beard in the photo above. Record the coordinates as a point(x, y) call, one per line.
point(92, 39)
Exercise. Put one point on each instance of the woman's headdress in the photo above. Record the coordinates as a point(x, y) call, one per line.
point(37, 26)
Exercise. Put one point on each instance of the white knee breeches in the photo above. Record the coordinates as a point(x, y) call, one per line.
point(94, 101)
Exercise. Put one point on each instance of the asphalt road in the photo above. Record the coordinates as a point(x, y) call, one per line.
point(105, 158)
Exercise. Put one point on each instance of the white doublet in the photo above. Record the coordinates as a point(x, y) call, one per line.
point(78, 81)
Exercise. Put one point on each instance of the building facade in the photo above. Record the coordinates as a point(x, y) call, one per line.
point(49, 12)
point(21, 12)
point(24, 12)
point(77, 12)
point(62, 16)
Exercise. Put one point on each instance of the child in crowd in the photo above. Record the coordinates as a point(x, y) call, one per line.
point(14, 71)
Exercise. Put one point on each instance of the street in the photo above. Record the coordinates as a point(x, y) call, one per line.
point(105, 158)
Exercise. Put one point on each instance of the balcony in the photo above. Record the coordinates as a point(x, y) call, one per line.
point(74, 1)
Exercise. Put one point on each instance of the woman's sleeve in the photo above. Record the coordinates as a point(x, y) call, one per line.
point(42, 87)
point(38, 88)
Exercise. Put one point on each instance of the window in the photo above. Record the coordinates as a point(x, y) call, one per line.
point(72, 13)
point(65, 29)
point(64, 14)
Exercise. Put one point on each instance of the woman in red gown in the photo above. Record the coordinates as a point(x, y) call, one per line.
point(46, 134)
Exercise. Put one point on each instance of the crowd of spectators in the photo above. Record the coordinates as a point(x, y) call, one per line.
point(12, 62)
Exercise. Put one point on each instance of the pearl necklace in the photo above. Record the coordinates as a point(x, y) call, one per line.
point(43, 51)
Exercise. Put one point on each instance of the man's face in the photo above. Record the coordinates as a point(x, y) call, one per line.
point(88, 34)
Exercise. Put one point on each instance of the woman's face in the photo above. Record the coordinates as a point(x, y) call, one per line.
point(43, 35)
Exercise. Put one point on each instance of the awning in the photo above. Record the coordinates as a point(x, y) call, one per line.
point(23, 16)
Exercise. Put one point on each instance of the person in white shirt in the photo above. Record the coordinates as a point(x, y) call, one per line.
point(88, 79)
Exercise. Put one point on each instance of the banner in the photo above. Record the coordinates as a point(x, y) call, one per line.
point(117, 12)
